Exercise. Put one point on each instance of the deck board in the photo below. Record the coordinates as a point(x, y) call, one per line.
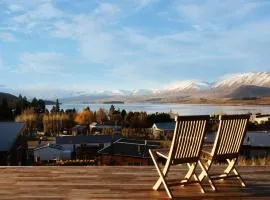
point(121, 182)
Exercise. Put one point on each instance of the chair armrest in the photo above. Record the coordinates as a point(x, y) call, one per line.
point(206, 154)
point(161, 152)
point(162, 155)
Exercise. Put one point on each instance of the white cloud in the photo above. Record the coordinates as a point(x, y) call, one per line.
point(204, 34)
point(33, 17)
point(43, 11)
point(95, 43)
point(42, 63)
point(107, 9)
point(15, 8)
point(7, 37)
point(210, 14)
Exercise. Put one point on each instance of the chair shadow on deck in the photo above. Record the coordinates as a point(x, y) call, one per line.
point(256, 189)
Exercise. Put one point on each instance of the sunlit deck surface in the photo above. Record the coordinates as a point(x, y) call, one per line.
point(118, 182)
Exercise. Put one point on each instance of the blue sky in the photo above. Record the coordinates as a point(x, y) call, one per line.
point(54, 46)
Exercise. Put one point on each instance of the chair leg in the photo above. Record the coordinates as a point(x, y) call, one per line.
point(231, 167)
point(197, 179)
point(206, 167)
point(161, 176)
point(204, 173)
point(191, 172)
point(165, 171)
point(243, 184)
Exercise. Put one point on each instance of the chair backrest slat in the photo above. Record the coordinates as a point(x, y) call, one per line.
point(188, 137)
point(230, 135)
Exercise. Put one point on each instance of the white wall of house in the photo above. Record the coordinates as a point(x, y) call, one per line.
point(49, 153)
point(261, 120)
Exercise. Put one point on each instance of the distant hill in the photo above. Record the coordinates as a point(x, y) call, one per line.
point(250, 91)
point(9, 97)
point(113, 102)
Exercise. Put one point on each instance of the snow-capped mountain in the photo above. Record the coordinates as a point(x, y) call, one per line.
point(141, 92)
point(236, 80)
point(188, 85)
point(235, 85)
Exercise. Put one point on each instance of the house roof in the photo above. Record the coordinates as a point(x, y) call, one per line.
point(165, 125)
point(262, 116)
point(79, 127)
point(101, 126)
point(133, 148)
point(9, 131)
point(49, 145)
point(80, 139)
point(139, 142)
point(257, 139)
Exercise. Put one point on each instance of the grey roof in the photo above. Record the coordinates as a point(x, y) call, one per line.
point(139, 142)
point(49, 145)
point(79, 127)
point(80, 139)
point(136, 148)
point(101, 126)
point(8, 134)
point(165, 125)
point(262, 116)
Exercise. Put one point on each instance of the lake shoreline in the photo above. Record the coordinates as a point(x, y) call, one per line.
point(177, 108)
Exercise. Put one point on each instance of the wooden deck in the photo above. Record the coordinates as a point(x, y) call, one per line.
point(117, 182)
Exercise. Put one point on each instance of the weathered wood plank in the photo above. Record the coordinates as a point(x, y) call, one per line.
point(121, 182)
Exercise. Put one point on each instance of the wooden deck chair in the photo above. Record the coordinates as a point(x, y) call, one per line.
point(229, 138)
point(185, 148)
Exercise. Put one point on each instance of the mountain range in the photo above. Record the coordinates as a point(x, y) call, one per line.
point(236, 86)
point(253, 84)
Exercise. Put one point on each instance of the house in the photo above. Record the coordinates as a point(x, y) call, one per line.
point(13, 145)
point(50, 152)
point(72, 142)
point(127, 152)
point(259, 118)
point(105, 128)
point(85, 147)
point(256, 144)
point(79, 130)
point(163, 129)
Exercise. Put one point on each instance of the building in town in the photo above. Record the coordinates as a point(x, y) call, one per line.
point(127, 152)
point(13, 145)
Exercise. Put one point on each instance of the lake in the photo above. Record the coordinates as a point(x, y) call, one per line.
point(181, 109)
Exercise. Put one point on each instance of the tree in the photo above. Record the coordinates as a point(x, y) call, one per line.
point(85, 117)
point(57, 106)
point(123, 113)
point(159, 117)
point(30, 118)
point(111, 112)
point(41, 106)
point(55, 123)
point(101, 116)
point(5, 111)
point(21, 105)
point(34, 103)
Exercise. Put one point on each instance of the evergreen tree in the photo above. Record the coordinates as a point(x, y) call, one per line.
point(123, 113)
point(111, 112)
point(41, 106)
point(34, 103)
point(5, 111)
point(57, 106)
